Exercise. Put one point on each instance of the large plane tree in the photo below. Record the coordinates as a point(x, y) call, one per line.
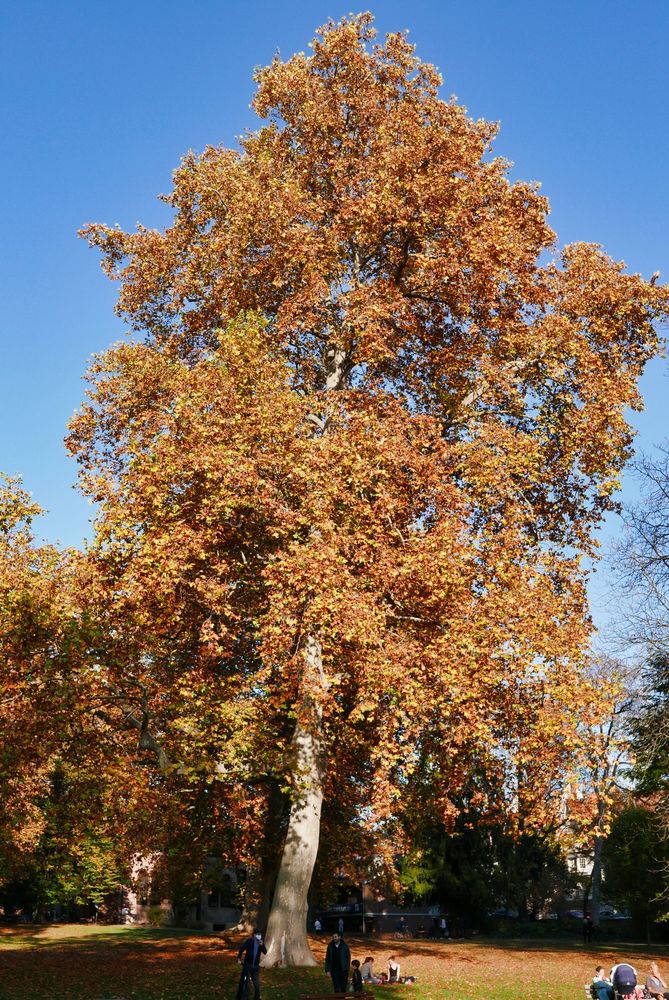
point(349, 467)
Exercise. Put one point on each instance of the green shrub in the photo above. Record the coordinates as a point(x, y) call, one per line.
point(156, 916)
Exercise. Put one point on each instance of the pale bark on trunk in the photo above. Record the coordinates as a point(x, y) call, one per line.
point(287, 942)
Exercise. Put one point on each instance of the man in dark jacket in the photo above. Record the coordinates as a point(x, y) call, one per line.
point(249, 956)
point(337, 961)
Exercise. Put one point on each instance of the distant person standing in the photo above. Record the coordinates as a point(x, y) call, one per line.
point(337, 962)
point(318, 926)
point(340, 926)
point(588, 928)
point(249, 957)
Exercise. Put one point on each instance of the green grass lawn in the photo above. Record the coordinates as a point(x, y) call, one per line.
point(80, 962)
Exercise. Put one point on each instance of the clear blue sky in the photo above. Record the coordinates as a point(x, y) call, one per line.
point(100, 101)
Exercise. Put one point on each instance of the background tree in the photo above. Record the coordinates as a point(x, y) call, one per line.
point(635, 862)
point(642, 559)
point(351, 522)
point(73, 766)
point(642, 563)
point(486, 856)
point(39, 637)
point(605, 772)
point(650, 738)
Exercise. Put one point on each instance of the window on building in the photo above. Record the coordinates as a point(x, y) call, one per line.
point(224, 895)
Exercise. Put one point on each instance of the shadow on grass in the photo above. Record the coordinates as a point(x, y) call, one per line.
point(136, 964)
point(87, 935)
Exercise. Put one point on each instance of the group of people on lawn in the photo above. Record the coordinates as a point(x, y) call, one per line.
point(338, 963)
point(338, 966)
point(622, 981)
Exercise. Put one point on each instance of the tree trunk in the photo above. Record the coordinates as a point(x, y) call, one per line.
point(254, 901)
point(260, 877)
point(596, 882)
point(255, 911)
point(287, 942)
point(596, 876)
point(268, 889)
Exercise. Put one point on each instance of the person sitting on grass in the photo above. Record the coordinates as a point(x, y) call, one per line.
point(601, 986)
point(367, 971)
point(655, 984)
point(393, 970)
point(356, 978)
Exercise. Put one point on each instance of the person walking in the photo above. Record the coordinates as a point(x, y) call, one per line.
point(337, 962)
point(249, 958)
